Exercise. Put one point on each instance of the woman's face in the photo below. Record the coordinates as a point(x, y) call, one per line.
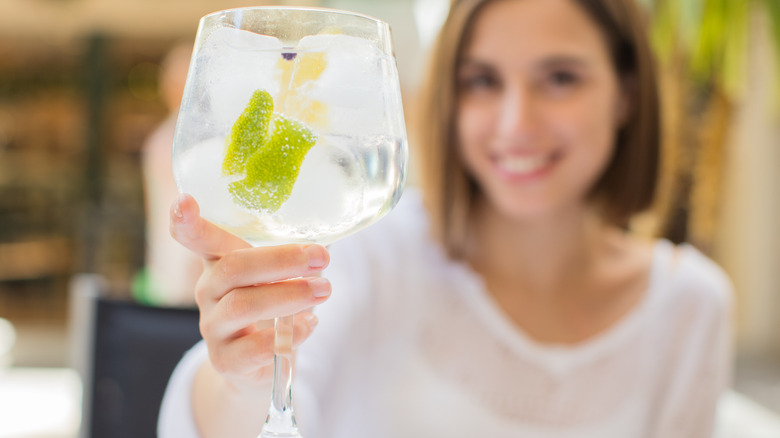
point(539, 106)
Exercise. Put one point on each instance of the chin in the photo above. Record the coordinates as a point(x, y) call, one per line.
point(522, 210)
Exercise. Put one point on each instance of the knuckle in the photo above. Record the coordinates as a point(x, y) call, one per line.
point(206, 326)
point(235, 305)
point(294, 255)
point(201, 292)
point(230, 268)
point(263, 348)
point(217, 358)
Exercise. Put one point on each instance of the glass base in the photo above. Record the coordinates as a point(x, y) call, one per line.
point(269, 434)
point(280, 425)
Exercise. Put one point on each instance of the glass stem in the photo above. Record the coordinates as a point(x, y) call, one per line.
point(281, 420)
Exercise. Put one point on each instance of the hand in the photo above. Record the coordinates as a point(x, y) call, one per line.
point(242, 289)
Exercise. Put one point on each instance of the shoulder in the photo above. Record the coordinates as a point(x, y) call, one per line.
point(697, 273)
point(692, 282)
point(691, 318)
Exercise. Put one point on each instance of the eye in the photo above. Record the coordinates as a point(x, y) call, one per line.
point(478, 82)
point(562, 78)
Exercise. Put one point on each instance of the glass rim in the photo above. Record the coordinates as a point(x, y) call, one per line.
point(295, 8)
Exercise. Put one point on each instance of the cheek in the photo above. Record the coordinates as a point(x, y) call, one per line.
point(469, 123)
point(588, 136)
point(590, 129)
point(471, 131)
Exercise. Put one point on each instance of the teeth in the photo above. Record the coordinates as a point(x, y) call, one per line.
point(524, 164)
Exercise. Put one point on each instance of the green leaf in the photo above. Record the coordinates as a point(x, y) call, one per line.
point(717, 55)
point(734, 60)
point(773, 10)
point(689, 18)
point(664, 31)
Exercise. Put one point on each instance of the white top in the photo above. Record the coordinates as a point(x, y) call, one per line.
point(410, 345)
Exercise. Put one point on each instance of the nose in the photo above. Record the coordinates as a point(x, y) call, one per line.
point(518, 118)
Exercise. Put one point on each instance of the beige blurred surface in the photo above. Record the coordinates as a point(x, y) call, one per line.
point(64, 20)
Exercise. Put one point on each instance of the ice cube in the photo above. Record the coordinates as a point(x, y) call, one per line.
point(199, 174)
point(236, 63)
point(327, 191)
point(352, 83)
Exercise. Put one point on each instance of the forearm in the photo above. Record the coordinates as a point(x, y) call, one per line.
point(222, 410)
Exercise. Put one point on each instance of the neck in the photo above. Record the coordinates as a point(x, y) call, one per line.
point(546, 255)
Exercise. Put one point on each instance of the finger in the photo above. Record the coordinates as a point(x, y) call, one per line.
point(246, 355)
point(253, 266)
point(243, 307)
point(198, 234)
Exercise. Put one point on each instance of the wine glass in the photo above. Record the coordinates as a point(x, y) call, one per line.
point(291, 129)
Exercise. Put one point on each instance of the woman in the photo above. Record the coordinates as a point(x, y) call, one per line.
point(508, 300)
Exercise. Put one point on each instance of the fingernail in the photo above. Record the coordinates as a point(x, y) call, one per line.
point(318, 257)
point(177, 208)
point(320, 287)
point(311, 319)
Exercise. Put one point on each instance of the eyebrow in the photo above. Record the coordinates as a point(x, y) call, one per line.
point(546, 63)
point(475, 63)
point(565, 60)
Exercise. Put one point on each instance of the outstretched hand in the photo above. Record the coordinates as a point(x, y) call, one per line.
point(242, 289)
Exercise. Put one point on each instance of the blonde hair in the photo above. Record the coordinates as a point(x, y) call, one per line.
point(628, 184)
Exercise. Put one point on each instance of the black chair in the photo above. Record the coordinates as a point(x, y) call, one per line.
point(128, 352)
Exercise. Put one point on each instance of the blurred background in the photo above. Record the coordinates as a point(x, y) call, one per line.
point(84, 98)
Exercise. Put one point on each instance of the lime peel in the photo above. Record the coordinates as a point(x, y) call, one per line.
point(248, 133)
point(268, 149)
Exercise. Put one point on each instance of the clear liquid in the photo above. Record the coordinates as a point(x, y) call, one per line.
point(351, 177)
point(344, 185)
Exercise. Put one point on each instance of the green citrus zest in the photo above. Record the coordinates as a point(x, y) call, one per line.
point(268, 149)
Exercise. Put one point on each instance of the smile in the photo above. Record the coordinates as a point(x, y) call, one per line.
point(524, 165)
